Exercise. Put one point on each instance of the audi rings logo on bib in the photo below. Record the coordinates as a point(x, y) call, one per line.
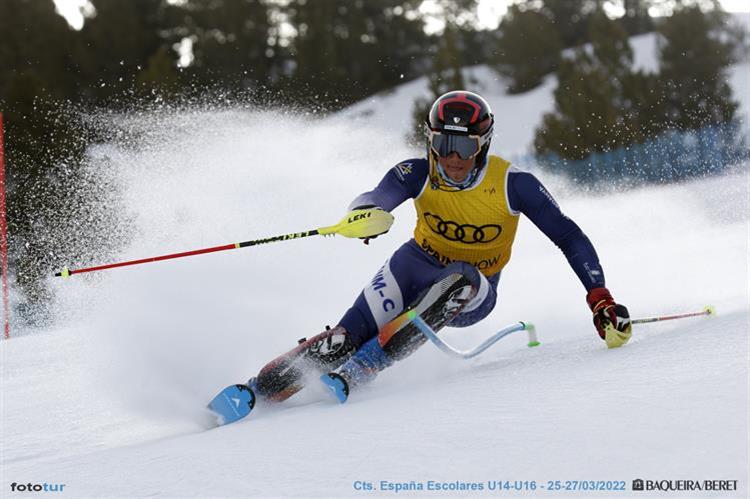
point(465, 233)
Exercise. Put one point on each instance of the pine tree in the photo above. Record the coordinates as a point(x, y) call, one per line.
point(345, 50)
point(636, 19)
point(694, 57)
point(570, 19)
point(230, 41)
point(595, 110)
point(40, 74)
point(160, 76)
point(528, 49)
point(119, 39)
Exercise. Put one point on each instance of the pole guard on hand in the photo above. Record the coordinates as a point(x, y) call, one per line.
point(361, 223)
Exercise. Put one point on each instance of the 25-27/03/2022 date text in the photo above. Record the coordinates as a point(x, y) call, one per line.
point(490, 485)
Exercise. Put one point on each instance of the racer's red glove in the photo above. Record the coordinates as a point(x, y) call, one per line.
point(612, 320)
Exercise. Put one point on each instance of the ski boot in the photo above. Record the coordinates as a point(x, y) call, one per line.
point(360, 369)
point(284, 376)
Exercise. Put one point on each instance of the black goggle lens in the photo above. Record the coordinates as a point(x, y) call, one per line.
point(465, 146)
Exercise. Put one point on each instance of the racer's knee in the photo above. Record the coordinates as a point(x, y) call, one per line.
point(467, 270)
point(480, 306)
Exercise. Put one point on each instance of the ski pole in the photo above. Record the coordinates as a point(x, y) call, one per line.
point(349, 226)
point(68, 272)
point(708, 310)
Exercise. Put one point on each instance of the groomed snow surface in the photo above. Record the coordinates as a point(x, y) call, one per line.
point(109, 401)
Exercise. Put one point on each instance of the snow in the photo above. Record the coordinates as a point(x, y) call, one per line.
point(109, 400)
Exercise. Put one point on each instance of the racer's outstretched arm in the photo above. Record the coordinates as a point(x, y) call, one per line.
point(527, 195)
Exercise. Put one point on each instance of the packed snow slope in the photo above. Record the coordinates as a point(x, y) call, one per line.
point(109, 401)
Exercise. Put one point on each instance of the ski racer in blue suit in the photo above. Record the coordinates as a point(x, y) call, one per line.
point(468, 204)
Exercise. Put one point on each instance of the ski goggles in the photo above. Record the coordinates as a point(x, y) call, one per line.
point(466, 146)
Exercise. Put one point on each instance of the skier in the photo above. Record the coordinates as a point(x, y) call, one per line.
point(468, 204)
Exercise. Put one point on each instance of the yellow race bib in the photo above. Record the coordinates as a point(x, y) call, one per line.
point(474, 225)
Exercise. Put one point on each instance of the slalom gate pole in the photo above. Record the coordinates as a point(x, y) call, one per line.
point(708, 310)
point(468, 354)
point(4, 236)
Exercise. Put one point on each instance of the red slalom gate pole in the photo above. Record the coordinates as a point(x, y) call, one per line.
point(4, 235)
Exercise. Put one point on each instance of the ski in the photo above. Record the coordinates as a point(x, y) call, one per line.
point(232, 404)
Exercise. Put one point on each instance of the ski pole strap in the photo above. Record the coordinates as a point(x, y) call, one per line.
point(708, 310)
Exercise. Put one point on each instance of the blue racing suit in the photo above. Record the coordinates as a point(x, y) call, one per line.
point(411, 269)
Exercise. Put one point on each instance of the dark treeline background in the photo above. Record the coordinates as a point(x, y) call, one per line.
point(322, 55)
